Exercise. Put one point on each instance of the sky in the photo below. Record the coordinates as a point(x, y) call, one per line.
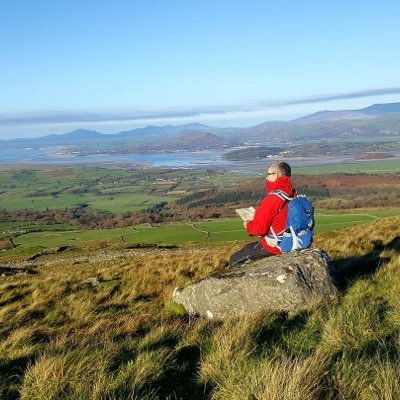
point(122, 64)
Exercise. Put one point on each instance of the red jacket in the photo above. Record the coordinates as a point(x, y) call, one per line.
point(272, 212)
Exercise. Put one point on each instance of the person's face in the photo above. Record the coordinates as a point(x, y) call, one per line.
point(272, 176)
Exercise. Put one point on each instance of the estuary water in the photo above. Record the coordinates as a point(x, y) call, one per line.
point(55, 155)
point(206, 159)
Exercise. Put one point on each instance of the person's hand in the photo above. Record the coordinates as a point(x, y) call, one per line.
point(245, 224)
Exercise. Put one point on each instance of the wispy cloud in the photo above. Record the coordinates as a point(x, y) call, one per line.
point(340, 96)
point(44, 118)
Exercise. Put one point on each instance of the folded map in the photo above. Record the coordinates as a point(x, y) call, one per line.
point(247, 214)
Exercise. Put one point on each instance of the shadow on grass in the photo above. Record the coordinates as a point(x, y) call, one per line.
point(290, 335)
point(10, 271)
point(180, 381)
point(11, 374)
point(354, 268)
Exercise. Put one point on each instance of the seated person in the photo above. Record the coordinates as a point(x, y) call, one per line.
point(269, 219)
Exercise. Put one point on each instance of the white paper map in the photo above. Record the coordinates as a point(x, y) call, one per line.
point(247, 214)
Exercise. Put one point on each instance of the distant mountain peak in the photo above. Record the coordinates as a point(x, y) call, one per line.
point(199, 136)
point(78, 133)
point(85, 132)
point(377, 119)
point(381, 109)
point(376, 110)
point(196, 125)
point(330, 116)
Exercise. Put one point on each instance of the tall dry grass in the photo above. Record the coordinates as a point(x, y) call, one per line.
point(62, 338)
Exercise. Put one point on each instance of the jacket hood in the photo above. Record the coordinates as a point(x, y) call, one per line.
point(283, 183)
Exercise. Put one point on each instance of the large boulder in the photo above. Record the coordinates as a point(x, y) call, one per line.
point(274, 284)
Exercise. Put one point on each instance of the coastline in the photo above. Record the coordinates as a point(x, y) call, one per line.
point(243, 166)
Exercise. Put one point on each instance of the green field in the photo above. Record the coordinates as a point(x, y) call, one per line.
point(105, 190)
point(113, 190)
point(124, 190)
point(10, 226)
point(211, 232)
point(365, 167)
point(121, 190)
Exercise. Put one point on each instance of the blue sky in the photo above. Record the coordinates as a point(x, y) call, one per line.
point(116, 65)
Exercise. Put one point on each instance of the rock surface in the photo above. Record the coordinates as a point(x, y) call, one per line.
point(274, 284)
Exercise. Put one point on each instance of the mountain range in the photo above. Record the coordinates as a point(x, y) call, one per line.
point(377, 120)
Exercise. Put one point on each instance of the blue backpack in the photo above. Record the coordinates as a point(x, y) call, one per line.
point(299, 232)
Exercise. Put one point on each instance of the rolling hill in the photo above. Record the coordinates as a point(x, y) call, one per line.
point(378, 120)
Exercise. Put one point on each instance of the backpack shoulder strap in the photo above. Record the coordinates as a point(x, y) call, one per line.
point(281, 194)
point(286, 199)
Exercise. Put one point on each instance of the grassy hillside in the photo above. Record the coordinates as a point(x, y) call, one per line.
point(123, 338)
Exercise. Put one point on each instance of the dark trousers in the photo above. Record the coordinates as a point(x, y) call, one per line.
point(250, 252)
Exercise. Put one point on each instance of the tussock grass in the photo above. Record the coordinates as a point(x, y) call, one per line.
point(123, 338)
point(275, 379)
point(363, 377)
